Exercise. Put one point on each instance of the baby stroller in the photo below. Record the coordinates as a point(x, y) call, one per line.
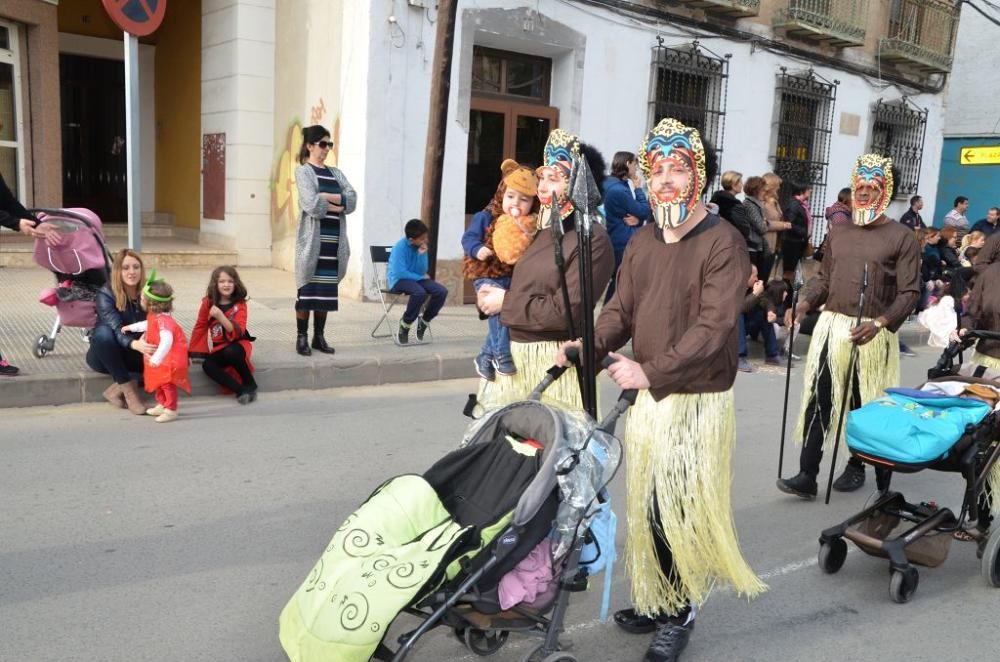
point(944, 433)
point(438, 546)
point(81, 264)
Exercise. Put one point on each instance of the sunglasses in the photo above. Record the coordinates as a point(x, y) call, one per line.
point(324, 144)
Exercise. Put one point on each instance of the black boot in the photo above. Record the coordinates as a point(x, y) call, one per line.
point(421, 328)
point(852, 479)
point(319, 344)
point(801, 485)
point(669, 642)
point(302, 345)
point(404, 334)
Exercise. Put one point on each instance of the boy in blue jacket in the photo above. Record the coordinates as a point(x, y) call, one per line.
point(408, 274)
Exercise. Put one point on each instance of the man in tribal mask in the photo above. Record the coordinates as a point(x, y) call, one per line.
point(892, 256)
point(677, 299)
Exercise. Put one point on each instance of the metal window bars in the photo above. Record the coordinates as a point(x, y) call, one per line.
point(689, 83)
point(838, 22)
point(806, 104)
point(922, 33)
point(898, 129)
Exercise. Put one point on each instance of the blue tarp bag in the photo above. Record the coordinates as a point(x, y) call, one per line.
point(911, 427)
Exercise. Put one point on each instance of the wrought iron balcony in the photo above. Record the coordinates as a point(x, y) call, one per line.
point(921, 33)
point(836, 22)
point(734, 8)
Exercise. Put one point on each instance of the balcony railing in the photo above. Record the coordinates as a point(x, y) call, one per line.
point(734, 8)
point(837, 22)
point(921, 33)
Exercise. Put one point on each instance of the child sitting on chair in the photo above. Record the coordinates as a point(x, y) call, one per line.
point(167, 368)
point(408, 274)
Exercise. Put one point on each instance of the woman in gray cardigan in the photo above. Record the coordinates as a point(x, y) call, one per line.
point(321, 250)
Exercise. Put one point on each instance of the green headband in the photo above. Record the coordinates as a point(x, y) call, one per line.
point(149, 295)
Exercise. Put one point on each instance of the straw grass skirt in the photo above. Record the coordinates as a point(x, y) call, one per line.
point(532, 360)
point(680, 448)
point(877, 369)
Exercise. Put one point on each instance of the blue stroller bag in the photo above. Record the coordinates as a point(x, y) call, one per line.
point(911, 427)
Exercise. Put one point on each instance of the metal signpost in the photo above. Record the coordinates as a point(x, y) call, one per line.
point(137, 18)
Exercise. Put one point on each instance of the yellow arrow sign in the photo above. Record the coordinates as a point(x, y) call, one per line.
point(983, 155)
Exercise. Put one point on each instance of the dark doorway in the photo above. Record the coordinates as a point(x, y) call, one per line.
point(93, 135)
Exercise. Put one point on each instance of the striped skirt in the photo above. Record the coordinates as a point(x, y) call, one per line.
point(320, 293)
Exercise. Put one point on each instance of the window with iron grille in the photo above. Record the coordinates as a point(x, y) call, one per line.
point(688, 83)
point(898, 131)
point(805, 126)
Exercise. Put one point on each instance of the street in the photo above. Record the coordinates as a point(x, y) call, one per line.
point(123, 540)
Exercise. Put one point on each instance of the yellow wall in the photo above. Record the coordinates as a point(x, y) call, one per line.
point(178, 114)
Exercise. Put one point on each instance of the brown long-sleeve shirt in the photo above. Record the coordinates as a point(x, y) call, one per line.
point(893, 257)
point(984, 308)
point(534, 308)
point(679, 303)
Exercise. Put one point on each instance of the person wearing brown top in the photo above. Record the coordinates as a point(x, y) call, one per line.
point(533, 308)
point(983, 313)
point(988, 254)
point(892, 256)
point(677, 299)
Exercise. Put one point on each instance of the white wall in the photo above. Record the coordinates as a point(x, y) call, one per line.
point(601, 75)
point(972, 96)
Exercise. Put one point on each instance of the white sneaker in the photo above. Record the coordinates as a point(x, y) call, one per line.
point(155, 411)
point(167, 416)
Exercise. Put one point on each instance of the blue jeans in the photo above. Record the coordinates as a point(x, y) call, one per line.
point(418, 291)
point(497, 342)
point(753, 323)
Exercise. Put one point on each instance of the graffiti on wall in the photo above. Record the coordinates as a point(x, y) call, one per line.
point(317, 112)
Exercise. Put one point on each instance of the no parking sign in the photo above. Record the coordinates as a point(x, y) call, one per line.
point(138, 17)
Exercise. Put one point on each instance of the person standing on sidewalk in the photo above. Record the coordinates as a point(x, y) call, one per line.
point(112, 350)
point(321, 250)
point(625, 206)
point(15, 217)
point(912, 218)
point(677, 303)
point(892, 256)
point(956, 217)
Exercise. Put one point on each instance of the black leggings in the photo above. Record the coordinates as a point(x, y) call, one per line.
point(817, 421)
point(231, 356)
point(663, 553)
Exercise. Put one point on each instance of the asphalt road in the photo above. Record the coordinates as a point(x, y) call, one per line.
point(121, 539)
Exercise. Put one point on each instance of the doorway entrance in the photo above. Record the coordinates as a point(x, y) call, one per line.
point(509, 118)
point(93, 135)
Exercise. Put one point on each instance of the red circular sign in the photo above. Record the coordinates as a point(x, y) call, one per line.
point(138, 17)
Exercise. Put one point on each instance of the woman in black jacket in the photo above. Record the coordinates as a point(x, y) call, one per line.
point(727, 202)
point(111, 351)
point(794, 241)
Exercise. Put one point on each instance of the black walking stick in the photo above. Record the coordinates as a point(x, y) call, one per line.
point(848, 391)
point(796, 286)
point(586, 196)
point(556, 228)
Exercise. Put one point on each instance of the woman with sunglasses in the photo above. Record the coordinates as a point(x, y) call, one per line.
point(321, 250)
point(113, 351)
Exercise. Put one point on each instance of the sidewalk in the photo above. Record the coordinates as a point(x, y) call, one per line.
point(63, 377)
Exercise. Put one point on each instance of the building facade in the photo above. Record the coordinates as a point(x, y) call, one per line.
point(972, 120)
point(799, 87)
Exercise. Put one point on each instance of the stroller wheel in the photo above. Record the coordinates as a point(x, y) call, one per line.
point(832, 555)
point(43, 346)
point(991, 560)
point(903, 584)
point(485, 642)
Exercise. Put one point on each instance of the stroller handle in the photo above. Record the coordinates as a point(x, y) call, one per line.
point(946, 363)
point(554, 373)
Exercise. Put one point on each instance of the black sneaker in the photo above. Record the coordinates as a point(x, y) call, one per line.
point(421, 328)
point(668, 643)
point(801, 485)
point(8, 369)
point(634, 623)
point(905, 350)
point(852, 479)
point(404, 334)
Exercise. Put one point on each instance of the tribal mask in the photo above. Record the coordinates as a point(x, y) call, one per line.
point(672, 160)
point(561, 151)
point(871, 188)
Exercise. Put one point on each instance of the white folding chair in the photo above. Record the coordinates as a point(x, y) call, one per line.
point(388, 297)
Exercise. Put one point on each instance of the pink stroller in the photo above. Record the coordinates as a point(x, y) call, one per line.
point(81, 265)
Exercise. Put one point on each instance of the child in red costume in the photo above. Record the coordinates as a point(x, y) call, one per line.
point(223, 319)
point(167, 368)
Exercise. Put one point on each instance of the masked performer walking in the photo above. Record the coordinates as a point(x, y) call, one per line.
point(892, 256)
point(677, 300)
point(534, 308)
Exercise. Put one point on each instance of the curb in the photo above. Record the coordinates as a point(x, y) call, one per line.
point(86, 387)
